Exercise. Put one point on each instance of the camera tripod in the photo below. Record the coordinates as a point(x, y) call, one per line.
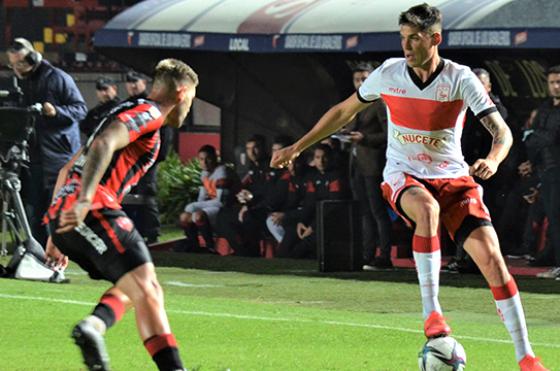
point(17, 125)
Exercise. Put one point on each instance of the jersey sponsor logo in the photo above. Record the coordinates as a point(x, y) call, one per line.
point(443, 92)
point(398, 90)
point(468, 201)
point(428, 140)
point(124, 223)
point(92, 238)
point(422, 157)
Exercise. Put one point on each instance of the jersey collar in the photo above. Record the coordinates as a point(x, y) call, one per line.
point(419, 83)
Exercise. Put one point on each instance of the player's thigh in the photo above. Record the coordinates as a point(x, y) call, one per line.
point(418, 203)
point(140, 283)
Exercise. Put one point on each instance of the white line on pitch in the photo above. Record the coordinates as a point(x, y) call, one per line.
point(280, 319)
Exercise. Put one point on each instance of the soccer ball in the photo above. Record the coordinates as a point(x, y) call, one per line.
point(443, 353)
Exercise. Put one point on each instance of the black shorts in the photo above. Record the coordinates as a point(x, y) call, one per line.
point(107, 245)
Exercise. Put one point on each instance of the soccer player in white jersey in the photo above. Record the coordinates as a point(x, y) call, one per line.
point(426, 178)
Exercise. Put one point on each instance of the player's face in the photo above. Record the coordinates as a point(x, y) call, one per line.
point(359, 77)
point(253, 151)
point(106, 94)
point(136, 87)
point(554, 85)
point(418, 46)
point(206, 161)
point(321, 160)
point(177, 116)
point(19, 65)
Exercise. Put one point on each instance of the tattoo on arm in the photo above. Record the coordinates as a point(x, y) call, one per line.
point(497, 130)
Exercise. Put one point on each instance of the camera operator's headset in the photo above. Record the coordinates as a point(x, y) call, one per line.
point(32, 57)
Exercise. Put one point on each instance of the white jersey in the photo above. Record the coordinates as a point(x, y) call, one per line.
point(426, 119)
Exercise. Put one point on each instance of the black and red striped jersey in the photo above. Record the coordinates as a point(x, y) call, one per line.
point(143, 119)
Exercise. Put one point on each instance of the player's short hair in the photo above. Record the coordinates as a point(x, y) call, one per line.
point(175, 72)
point(427, 18)
point(209, 150)
point(480, 72)
point(553, 70)
point(258, 139)
point(284, 140)
point(362, 67)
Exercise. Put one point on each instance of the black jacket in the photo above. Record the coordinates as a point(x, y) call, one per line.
point(543, 145)
point(56, 138)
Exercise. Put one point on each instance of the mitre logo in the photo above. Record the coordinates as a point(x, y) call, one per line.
point(401, 91)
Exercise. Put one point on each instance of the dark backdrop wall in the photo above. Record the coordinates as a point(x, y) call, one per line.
point(274, 94)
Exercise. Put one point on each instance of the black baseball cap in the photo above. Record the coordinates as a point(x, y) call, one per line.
point(104, 82)
point(133, 76)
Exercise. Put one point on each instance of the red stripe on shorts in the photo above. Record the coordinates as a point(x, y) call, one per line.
point(109, 230)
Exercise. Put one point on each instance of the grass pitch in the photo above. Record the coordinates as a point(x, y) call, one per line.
point(244, 314)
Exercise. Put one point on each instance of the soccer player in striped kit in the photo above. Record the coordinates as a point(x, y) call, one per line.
point(87, 225)
point(426, 178)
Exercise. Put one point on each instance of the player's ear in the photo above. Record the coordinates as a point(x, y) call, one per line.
point(436, 38)
point(181, 93)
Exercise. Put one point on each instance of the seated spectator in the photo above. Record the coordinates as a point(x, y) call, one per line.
point(325, 182)
point(200, 216)
point(241, 224)
point(287, 199)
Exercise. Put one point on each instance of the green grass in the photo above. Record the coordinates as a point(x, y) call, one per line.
point(256, 314)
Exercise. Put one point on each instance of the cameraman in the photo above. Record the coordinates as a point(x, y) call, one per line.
point(57, 135)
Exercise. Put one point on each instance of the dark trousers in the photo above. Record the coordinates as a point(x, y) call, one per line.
point(375, 217)
point(36, 195)
point(550, 193)
point(243, 237)
point(146, 215)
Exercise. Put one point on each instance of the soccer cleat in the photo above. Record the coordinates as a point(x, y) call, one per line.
point(92, 345)
point(529, 363)
point(435, 326)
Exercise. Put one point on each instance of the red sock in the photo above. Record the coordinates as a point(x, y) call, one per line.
point(164, 352)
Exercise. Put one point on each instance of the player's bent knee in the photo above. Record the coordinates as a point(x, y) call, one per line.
point(185, 219)
point(427, 213)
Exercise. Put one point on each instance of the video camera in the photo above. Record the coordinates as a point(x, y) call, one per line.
point(11, 94)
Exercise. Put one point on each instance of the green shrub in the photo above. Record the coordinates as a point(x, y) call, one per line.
point(177, 186)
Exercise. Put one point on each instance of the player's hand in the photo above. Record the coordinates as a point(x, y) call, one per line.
point(531, 197)
point(356, 136)
point(303, 230)
point(244, 196)
point(74, 217)
point(55, 258)
point(525, 168)
point(484, 168)
point(277, 217)
point(283, 157)
point(49, 110)
point(242, 213)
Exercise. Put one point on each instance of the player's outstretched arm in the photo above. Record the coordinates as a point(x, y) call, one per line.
point(332, 120)
point(98, 157)
point(501, 144)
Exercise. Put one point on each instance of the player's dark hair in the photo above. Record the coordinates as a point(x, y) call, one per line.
point(480, 71)
point(553, 70)
point(423, 16)
point(259, 140)
point(325, 148)
point(284, 140)
point(362, 67)
point(209, 150)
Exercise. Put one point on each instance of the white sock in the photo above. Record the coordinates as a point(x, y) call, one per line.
point(510, 310)
point(97, 323)
point(427, 256)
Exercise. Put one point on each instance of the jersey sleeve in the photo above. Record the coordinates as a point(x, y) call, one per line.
point(141, 119)
point(371, 88)
point(475, 96)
